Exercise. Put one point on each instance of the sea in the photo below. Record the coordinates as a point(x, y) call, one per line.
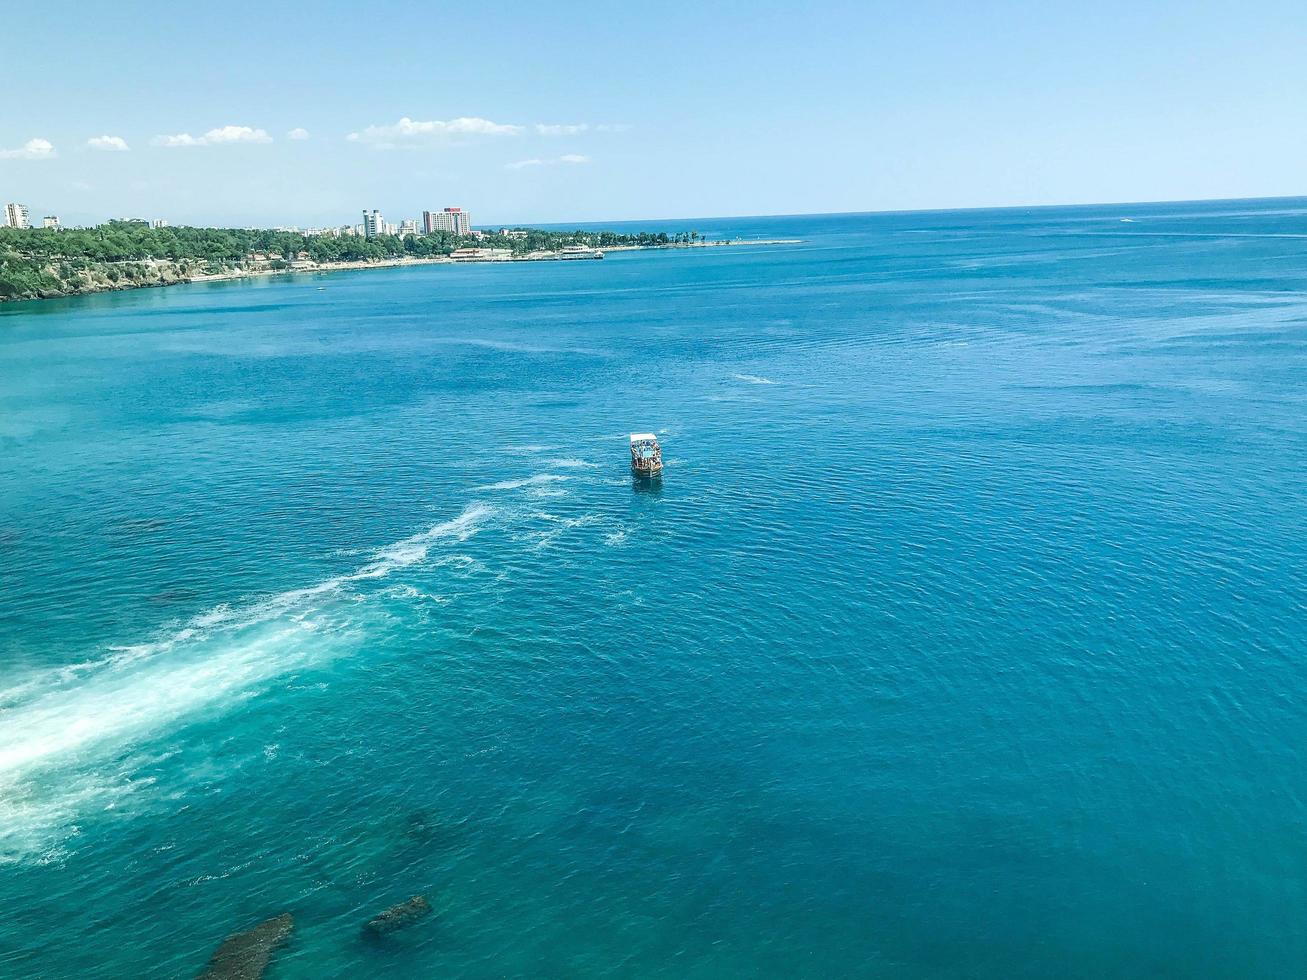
point(965, 634)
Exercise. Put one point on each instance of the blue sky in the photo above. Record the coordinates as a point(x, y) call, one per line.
point(590, 111)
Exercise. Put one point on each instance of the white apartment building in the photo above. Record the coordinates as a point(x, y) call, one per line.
point(408, 227)
point(456, 221)
point(373, 224)
point(16, 216)
point(50, 221)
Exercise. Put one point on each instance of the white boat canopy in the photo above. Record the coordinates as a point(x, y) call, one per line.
point(643, 437)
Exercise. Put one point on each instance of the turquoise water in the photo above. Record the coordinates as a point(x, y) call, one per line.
point(963, 637)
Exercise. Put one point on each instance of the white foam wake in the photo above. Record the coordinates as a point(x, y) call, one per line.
point(526, 481)
point(57, 723)
point(120, 699)
point(574, 464)
point(754, 379)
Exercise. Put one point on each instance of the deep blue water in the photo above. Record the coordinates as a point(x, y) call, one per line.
point(964, 636)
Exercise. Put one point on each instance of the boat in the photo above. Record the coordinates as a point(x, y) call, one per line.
point(579, 252)
point(646, 455)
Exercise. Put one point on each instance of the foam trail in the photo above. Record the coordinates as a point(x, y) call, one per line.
point(62, 720)
point(574, 464)
point(753, 379)
point(222, 617)
point(526, 481)
point(67, 722)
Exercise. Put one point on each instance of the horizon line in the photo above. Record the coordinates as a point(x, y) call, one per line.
point(943, 210)
point(577, 222)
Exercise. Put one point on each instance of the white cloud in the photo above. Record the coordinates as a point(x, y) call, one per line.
point(576, 129)
point(298, 133)
point(223, 134)
point(180, 139)
point(115, 144)
point(237, 134)
point(561, 129)
point(568, 158)
point(387, 137)
point(37, 149)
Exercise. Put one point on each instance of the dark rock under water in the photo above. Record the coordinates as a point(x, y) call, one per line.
point(398, 916)
point(421, 827)
point(245, 955)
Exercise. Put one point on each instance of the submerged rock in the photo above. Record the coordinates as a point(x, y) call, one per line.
point(245, 955)
point(421, 827)
point(398, 916)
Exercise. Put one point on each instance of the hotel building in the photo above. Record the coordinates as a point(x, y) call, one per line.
point(456, 221)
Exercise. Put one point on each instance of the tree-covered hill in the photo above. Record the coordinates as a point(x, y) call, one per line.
point(39, 262)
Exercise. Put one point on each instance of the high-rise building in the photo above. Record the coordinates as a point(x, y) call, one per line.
point(159, 223)
point(456, 221)
point(50, 221)
point(408, 227)
point(15, 216)
point(373, 224)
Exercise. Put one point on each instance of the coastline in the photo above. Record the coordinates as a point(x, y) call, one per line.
point(446, 260)
point(182, 278)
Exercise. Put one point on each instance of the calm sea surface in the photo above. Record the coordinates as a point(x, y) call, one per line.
point(966, 635)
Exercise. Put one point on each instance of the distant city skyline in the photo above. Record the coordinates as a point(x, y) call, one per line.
point(556, 114)
point(453, 220)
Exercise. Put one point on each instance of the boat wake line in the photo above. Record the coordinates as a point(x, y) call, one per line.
point(57, 723)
